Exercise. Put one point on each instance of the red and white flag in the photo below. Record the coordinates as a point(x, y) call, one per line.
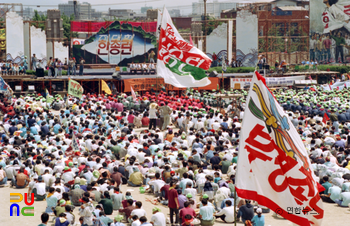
point(191, 42)
point(325, 118)
point(273, 165)
point(180, 63)
point(133, 94)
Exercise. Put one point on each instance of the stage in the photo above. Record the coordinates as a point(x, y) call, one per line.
point(91, 81)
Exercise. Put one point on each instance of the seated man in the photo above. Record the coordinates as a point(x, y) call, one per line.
point(138, 67)
point(152, 68)
point(21, 180)
point(39, 189)
point(133, 68)
point(136, 178)
point(145, 68)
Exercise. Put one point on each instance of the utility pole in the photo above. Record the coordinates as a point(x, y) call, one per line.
point(205, 27)
point(76, 16)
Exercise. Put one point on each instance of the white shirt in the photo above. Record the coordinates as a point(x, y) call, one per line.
point(157, 184)
point(40, 188)
point(138, 212)
point(158, 219)
point(229, 217)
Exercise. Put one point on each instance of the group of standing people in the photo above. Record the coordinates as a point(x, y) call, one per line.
point(55, 66)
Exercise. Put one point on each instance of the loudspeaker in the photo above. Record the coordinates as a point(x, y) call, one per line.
point(116, 75)
point(213, 74)
point(39, 72)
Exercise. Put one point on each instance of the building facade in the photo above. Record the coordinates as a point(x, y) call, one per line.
point(83, 10)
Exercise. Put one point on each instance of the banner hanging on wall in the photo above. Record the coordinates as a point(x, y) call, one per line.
point(120, 43)
point(145, 84)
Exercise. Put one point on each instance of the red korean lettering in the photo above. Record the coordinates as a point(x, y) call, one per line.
point(254, 154)
point(347, 9)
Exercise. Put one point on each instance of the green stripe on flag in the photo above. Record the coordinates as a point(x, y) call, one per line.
point(181, 68)
point(255, 110)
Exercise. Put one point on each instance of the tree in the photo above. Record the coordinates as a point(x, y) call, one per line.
point(39, 18)
point(67, 33)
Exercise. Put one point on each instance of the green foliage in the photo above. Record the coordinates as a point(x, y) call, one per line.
point(41, 18)
point(31, 72)
point(66, 27)
point(211, 25)
point(341, 69)
point(232, 69)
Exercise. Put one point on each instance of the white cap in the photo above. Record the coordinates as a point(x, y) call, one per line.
point(258, 210)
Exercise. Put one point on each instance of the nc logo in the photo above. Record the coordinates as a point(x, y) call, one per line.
point(18, 197)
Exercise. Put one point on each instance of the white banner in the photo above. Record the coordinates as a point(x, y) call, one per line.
point(275, 81)
point(273, 165)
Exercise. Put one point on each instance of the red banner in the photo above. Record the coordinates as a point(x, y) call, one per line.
point(145, 84)
point(92, 26)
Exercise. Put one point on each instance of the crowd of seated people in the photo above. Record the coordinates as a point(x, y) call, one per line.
point(9, 68)
point(144, 68)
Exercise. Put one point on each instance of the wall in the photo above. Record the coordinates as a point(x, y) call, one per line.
point(247, 38)
point(14, 37)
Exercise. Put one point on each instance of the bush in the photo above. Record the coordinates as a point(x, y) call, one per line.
point(341, 69)
point(233, 69)
point(31, 72)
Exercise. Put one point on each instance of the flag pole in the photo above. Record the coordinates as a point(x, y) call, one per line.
point(234, 204)
point(159, 36)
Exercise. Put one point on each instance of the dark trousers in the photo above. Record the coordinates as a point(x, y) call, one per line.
point(152, 123)
point(172, 212)
point(222, 217)
point(339, 49)
point(327, 199)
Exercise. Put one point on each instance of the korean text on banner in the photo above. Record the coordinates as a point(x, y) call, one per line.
point(75, 89)
point(273, 165)
point(179, 63)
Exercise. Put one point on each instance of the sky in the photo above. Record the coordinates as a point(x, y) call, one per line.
point(183, 5)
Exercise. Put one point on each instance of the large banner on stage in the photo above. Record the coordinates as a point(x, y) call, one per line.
point(329, 22)
point(145, 84)
point(119, 43)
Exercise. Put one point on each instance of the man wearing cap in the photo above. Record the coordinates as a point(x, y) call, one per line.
point(259, 219)
point(39, 189)
point(158, 218)
point(136, 178)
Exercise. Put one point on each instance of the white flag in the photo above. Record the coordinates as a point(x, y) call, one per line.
point(133, 94)
point(178, 62)
point(273, 165)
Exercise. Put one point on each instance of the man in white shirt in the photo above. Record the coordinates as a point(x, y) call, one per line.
point(39, 189)
point(157, 184)
point(138, 211)
point(158, 218)
point(145, 68)
point(226, 213)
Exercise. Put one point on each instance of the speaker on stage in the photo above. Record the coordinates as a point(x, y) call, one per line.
point(116, 75)
point(39, 72)
point(213, 74)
